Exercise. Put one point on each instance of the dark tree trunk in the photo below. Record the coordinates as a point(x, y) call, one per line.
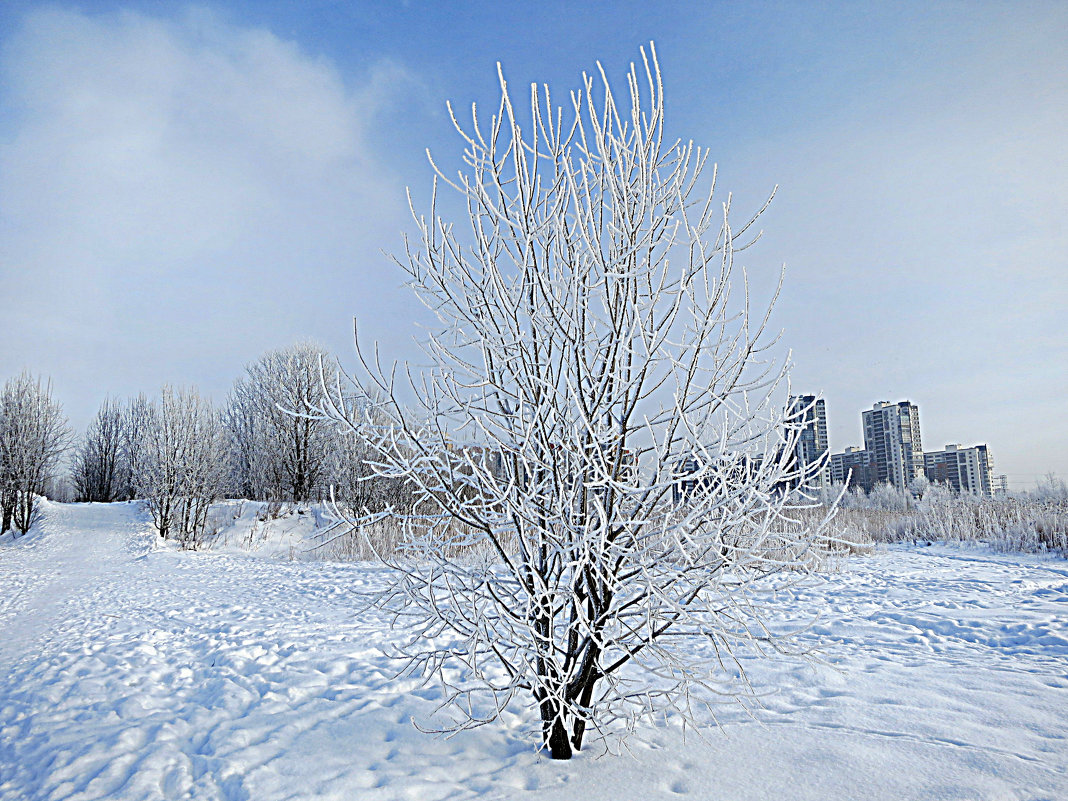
point(584, 701)
point(555, 732)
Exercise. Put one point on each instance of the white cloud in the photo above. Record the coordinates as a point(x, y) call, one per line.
point(177, 195)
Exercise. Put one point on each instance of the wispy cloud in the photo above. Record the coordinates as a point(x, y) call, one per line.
point(171, 190)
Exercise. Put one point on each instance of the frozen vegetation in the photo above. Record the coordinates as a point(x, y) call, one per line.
point(1027, 522)
point(130, 669)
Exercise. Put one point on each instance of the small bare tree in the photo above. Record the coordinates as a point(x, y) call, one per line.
point(179, 468)
point(279, 451)
point(591, 359)
point(33, 438)
point(100, 470)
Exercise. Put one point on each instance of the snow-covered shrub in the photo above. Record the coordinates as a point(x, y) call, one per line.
point(889, 498)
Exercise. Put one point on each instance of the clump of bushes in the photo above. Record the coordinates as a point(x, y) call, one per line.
point(1029, 522)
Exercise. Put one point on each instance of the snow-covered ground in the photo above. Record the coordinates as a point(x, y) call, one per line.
point(131, 671)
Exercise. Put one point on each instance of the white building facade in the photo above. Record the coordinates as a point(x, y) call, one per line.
point(968, 470)
point(892, 438)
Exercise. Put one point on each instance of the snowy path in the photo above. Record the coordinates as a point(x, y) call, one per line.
point(74, 549)
point(129, 672)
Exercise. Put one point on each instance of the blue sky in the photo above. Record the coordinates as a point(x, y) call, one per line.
point(183, 187)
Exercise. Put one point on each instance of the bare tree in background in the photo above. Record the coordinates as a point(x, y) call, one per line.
point(356, 484)
point(135, 418)
point(179, 461)
point(33, 438)
point(279, 451)
point(591, 360)
point(100, 470)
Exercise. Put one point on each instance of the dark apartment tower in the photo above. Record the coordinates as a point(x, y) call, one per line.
point(853, 466)
point(810, 414)
point(892, 437)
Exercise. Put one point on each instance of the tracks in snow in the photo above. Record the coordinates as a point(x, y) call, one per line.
point(129, 671)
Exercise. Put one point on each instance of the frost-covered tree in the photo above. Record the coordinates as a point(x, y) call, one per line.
point(178, 445)
point(100, 469)
point(33, 438)
point(356, 485)
point(591, 360)
point(1049, 488)
point(279, 452)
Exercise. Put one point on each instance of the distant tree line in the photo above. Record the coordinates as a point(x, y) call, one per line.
point(179, 453)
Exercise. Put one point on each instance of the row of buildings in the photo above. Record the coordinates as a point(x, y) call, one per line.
point(892, 453)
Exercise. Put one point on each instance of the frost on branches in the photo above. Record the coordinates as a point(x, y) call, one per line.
point(178, 461)
point(596, 455)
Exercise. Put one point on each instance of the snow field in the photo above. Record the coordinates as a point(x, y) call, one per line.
point(133, 671)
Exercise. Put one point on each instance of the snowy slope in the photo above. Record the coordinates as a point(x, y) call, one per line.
point(288, 531)
point(132, 671)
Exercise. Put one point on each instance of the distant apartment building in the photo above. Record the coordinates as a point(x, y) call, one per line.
point(810, 413)
point(964, 469)
point(892, 438)
point(853, 466)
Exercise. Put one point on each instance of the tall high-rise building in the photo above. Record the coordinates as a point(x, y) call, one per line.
point(963, 469)
point(892, 437)
point(810, 413)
